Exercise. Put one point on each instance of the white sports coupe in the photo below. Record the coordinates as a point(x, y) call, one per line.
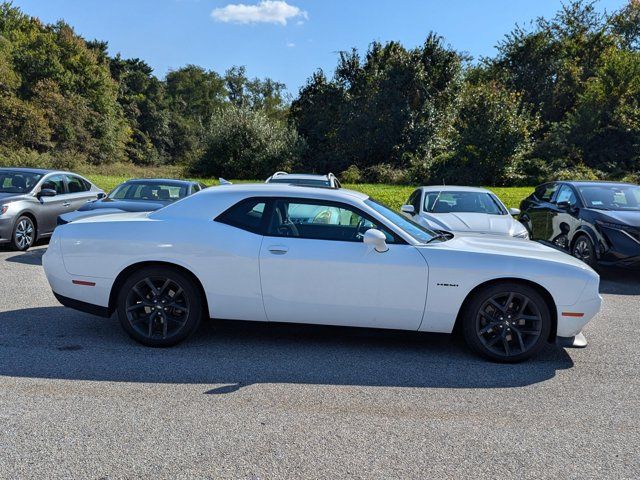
point(282, 253)
point(463, 209)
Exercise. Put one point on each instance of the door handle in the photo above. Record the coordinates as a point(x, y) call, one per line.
point(278, 249)
point(66, 204)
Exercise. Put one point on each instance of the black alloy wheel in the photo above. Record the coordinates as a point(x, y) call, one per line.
point(507, 322)
point(159, 307)
point(24, 234)
point(583, 250)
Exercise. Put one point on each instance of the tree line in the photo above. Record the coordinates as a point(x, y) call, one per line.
point(560, 99)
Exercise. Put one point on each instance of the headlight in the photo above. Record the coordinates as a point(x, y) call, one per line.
point(615, 226)
point(524, 235)
point(3, 209)
point(632, 232)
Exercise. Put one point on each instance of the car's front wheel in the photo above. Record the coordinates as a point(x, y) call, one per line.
point(24, 234)
point(506, 322)
point(584, 250)
point(159, 306)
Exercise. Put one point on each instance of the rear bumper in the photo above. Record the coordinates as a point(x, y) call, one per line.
point(83, 306)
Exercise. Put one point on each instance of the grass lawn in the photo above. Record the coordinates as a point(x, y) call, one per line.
point(392, 195)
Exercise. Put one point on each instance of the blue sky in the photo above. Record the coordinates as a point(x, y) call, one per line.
point(285, 40)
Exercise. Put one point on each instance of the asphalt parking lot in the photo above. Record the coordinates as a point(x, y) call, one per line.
point(79, 399)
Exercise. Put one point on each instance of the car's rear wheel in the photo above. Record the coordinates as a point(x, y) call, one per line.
point(507, 322)
point(584, 250)
point(159, 306)
point(24, 234)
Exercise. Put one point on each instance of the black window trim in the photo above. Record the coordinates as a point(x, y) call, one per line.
point(268, 211)
point(266, 214)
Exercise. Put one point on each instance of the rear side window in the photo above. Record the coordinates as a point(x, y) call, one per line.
point(545, 192)
point(76, 184)
point(247, 215)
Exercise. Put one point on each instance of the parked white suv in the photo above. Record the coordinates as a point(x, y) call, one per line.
point(308, 180)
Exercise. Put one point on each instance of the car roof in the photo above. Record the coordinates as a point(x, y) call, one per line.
point(40, 171)
point(453, 188)
point(301, 176)
point(286, 190)
point(593, 182)
point(173, 181)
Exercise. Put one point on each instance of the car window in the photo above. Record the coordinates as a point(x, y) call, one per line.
point(611, 197)
point(566, 194)
point(17, 182)
point(320, 221)
point(76, 184)
point(463, 202)
point(247, 215)
point(545, 192)
point(414, 200)
point(153, 191)
point(55, 182)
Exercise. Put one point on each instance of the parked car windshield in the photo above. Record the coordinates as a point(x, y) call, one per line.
point(301, 181)
point(18, 182)
point(611, 197)
point(462, 202)
point(152, 191)
point(420, 233)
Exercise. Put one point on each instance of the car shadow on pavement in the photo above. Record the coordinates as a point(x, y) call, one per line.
point(30, 257)
point(618, 281)
point(58, 343)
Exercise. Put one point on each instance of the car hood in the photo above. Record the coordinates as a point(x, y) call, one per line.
point(12, 197)
point(473, 222)
point(615, 216)
point(510, 247)
point(124, 205)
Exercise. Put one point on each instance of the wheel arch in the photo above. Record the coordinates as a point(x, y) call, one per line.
point(590, 234)
point(32, 216)
point(546, 295)
point(124, 274)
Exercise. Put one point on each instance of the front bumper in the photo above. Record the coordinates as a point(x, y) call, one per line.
point(6, 228)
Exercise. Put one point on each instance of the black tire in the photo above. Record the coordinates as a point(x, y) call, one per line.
point(506, 322)
point(24, 234)
point(584, 250)
point(159, 306)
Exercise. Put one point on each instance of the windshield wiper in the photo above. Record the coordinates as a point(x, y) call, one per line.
point(439, 236)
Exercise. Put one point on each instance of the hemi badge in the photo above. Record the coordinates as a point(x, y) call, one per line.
point(82, 282)
point(572, 314)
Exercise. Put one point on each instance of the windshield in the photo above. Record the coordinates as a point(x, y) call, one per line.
point(463, 202)
point(301, 181)
point(611, 197)
point(152, 191)
point(18, 182)
point(420, 233)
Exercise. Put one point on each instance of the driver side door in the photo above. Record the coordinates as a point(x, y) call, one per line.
point(314, 268)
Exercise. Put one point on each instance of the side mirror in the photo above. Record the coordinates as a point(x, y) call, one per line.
point(101, 195)
point(376, 239)
point(408, 209)
point(564, 205)
point(47, 192)
point(514, 211)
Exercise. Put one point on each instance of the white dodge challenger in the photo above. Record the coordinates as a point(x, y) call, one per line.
point(281, 253)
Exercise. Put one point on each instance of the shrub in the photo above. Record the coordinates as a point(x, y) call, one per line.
point(351, 175)
point(578, 172)
point(242, 143)
point(385, 173)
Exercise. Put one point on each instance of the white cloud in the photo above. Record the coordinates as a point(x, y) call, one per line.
point(265, 11)
point(291, 44)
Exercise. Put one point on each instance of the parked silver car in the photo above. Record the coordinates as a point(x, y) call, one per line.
point(32, 199)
